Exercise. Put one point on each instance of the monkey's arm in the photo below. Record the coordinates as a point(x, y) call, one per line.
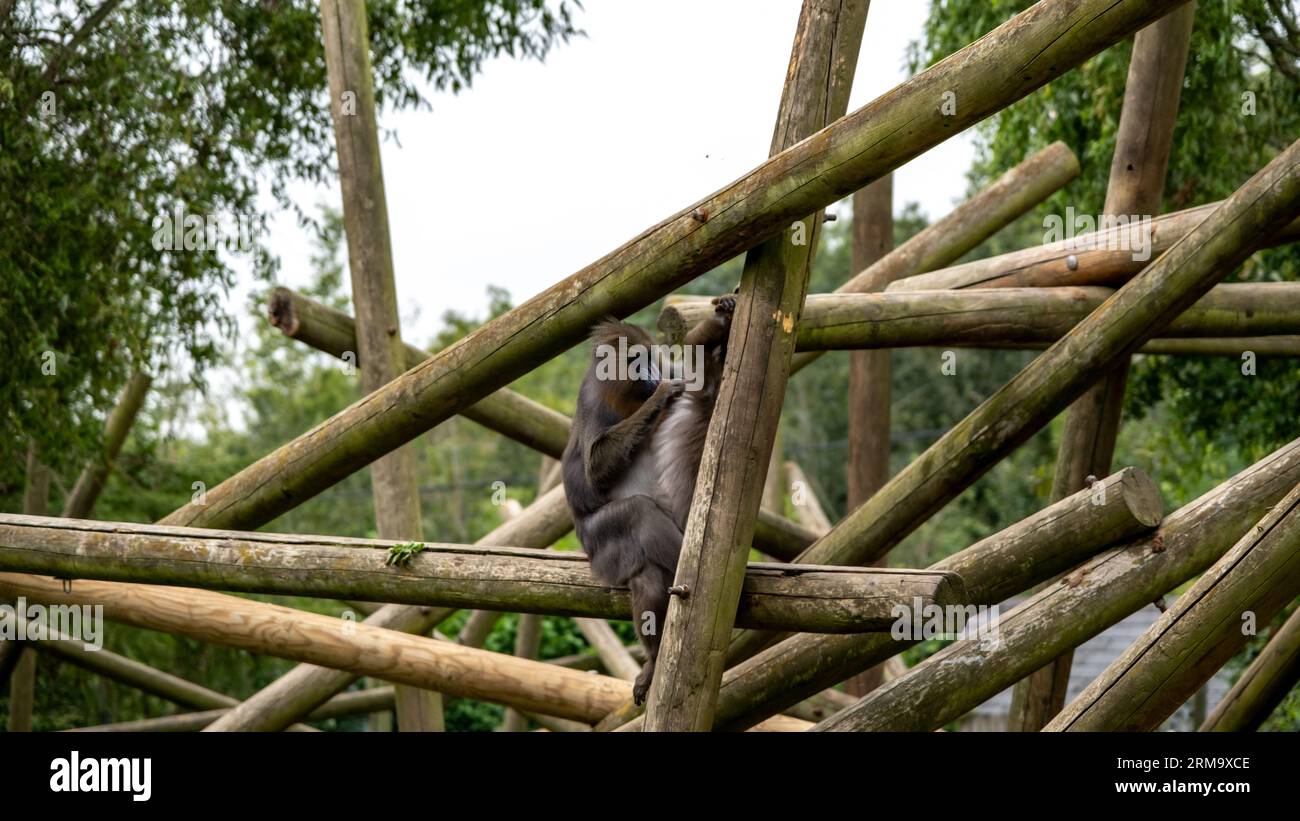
point(612, 452)
point(713, 331)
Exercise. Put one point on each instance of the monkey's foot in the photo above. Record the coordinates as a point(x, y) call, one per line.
point(641, 687)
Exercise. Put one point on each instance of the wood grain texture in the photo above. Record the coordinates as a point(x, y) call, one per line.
point(1011, 561)
point(739, 445)
point(1263, 685)
point(1020, 317)
point(1080, 605)
point(307, 686)
point(1008, 63)
point(356, 702)
point(1257, 578)
point(774, 596)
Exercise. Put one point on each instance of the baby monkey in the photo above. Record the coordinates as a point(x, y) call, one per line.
point(632, 459)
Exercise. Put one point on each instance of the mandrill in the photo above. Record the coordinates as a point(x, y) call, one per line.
point(632, 459)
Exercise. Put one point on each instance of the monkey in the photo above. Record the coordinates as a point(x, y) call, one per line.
point(632, 460)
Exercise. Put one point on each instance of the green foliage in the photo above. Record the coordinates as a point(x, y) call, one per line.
point(112, 116)
point(400, 555)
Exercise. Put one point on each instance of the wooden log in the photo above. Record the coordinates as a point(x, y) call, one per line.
point(1047, 385)
point(614, 655)
point(1231, 346)
point(1101, 257)
point(359, 648)
point(1013, 60)
point(870, 394)
point(807, 508)
point(1137, 181)
point(1028, 552)
point(507, 412)
point(1080, 605)
point(358, 702)
point(776, 596)
point(1009, 197)
point(528, 640)
point(90, 483)
point(542, 523)
point(738, 450)
point(1262, 686)
point(1204, 628)
point(1019, 317)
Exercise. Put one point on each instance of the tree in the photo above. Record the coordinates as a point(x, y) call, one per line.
point(129, 129)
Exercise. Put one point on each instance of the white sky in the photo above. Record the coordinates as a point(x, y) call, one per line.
point(541, 168)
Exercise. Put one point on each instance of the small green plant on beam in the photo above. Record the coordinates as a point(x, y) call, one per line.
point(399, 555)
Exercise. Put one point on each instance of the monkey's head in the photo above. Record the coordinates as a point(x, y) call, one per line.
point(624, 364)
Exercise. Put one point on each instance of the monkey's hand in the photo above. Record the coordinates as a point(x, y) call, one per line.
point(724, 305)
point(666, 391)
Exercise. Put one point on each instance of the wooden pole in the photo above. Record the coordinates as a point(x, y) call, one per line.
point(775, 596)
point(1263, 685)
point(1080, 605)
point(22, 681)
point(295, 694)
point(374, 292)
point(1031, 551)
point(91, 481)
point(1021, 317)
point(1013, 60)
point(807, 507)
point(509, 413)
point(1204, 628)
point(870, 375)
point(1136, 187)
point(1064, 371)
point(361, 649)
point(358, 702)
point(738, 448)
point(975, 220)
point(513, 415)
point(614, 655)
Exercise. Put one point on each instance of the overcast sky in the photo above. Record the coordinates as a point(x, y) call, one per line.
point(541, 168)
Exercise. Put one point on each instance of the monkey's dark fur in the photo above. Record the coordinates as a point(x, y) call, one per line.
point(630, 468)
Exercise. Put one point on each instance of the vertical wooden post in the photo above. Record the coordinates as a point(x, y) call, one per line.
point(870, 372)
point(739, 444)
point(22, 682)
point(1136, 186)
point(374, 294)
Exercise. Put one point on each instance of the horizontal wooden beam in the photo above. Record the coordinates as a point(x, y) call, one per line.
point(356, 702)
point(1106, 257)
point(775, 596)
point(356, 647)
point(1013, 317)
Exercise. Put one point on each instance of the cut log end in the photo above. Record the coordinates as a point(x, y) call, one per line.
point(281, 312)
point(1143, 497)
